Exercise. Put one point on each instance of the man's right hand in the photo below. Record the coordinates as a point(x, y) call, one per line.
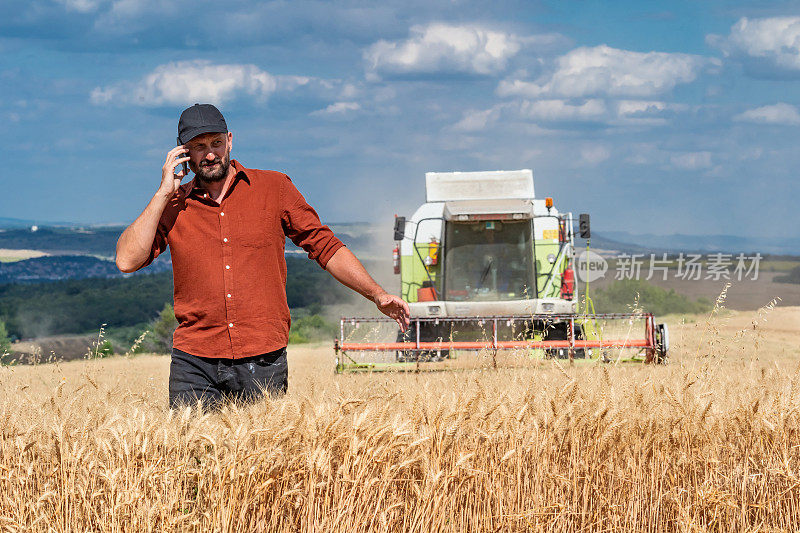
point(170, 181)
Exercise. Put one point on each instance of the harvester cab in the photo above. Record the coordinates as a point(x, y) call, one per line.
point(486, 265)
point(483, 245)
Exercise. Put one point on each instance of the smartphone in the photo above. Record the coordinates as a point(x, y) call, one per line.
point(185, 166)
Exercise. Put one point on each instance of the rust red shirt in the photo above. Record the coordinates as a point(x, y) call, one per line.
point(228, 261)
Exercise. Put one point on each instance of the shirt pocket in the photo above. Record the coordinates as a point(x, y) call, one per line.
point(253, 228)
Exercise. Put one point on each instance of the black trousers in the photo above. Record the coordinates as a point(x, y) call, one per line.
point(214, 381)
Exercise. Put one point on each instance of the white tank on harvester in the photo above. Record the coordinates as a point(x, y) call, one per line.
point(486, 265)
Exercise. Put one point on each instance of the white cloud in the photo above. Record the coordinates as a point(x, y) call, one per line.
point(563, 110)
point(81, 6)
point(637, 159)
point(131, 16)
point(639, 107)
point(691, 160)
point(766, 43)
point(780, 113)
point(555, 112)
point(645, 112)
point(477, 120)
point(442, 47)
point(338, 108)
point(645, 153)
point(187, 82)
point(602, 70)
point(594, 154)
point(536, 111)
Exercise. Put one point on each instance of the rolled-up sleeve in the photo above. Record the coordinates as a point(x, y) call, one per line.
point(303, 227)
point(165, 223)
point(159, 244)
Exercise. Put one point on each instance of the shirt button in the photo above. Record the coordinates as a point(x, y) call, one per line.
point(230, 324)
point(229, 296)
point(227, 267)
point(224, 239)
point(222, 214)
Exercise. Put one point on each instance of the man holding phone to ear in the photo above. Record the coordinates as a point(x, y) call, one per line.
point(226, 231)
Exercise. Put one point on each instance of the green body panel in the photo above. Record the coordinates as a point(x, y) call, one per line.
point(543, 248)
point(413, 273)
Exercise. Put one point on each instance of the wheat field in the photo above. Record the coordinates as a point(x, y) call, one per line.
point(708, 442)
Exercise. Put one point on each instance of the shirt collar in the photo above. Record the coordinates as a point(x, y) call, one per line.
point(194, 187)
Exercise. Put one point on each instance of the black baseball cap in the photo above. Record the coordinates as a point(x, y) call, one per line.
point(200, 119)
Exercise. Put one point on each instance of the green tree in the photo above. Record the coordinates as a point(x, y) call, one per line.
point(792, 277)
point(163, 327)
point(619, 296)
point(5, 342)
point(310, 328)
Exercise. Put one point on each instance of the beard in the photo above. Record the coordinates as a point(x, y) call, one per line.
point(207, 173)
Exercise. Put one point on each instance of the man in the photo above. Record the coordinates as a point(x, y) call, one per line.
point(226, 231)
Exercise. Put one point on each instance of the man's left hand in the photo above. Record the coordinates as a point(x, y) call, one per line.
point(394, 307)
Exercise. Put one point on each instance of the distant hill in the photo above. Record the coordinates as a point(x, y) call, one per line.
point(706, 243)
point(600, 242)
point(100, 241)
point(59, 267)
point(6, 222)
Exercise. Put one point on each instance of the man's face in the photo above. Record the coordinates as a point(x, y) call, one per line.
point(210, 156)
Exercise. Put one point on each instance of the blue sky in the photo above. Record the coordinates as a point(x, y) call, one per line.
point(657, 117)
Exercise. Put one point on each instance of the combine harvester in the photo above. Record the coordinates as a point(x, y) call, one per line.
point(489, 269)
